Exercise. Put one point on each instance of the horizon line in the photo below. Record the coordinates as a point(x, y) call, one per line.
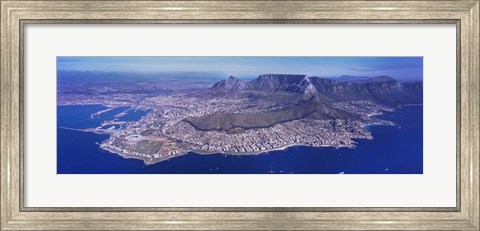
point(218, 74)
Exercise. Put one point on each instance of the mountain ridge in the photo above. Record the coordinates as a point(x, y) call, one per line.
point(381, 89)
point(308, 97)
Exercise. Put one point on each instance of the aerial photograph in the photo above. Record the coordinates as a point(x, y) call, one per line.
point(239, 115)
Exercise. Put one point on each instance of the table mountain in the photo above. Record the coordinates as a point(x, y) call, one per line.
point(306, 97)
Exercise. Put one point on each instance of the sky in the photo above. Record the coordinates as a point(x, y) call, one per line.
point(407, 68)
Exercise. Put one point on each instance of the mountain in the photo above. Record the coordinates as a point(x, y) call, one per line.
point(231, 84)
point(380, 79)
point(264, 83)
point(307, 97)
point(381, 89)
point(311, 109)
point(350, 78)
point(278, 82)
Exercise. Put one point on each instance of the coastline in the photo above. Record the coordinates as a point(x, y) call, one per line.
point(286, 158)
point(271, 150)
point(150, 161)
point(145, 160)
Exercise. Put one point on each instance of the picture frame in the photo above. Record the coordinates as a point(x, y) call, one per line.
point(16, 14)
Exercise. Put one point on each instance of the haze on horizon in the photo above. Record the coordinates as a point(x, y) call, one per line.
point(401, 68)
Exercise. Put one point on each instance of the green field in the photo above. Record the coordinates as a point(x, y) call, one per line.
point(148, 147)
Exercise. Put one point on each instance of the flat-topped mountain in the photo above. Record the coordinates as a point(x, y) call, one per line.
point(382, 89)
point(303, 97)
point(350, 78)
point(380, 79)
point(278, 82)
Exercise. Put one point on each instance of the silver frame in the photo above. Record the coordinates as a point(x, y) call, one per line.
point(16, 14)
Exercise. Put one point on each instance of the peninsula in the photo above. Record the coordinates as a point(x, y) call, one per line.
point(236, 117)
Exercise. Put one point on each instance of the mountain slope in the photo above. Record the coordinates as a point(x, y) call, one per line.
point(225, 121)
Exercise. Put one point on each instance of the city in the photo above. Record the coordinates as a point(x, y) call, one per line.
point(165, 130)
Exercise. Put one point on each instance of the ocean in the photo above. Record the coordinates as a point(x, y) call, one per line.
point(394, 150)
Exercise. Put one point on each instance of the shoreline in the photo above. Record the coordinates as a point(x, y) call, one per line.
point(199, 152)
point(282, 148)
point(148, 161)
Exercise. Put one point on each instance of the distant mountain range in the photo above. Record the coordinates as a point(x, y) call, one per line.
point(307, 97)
point(132, 77)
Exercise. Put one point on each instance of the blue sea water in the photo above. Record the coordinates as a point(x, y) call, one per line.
point(74, 116)
point(394, 150)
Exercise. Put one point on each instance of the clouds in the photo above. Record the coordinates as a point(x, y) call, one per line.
point(398, 67)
